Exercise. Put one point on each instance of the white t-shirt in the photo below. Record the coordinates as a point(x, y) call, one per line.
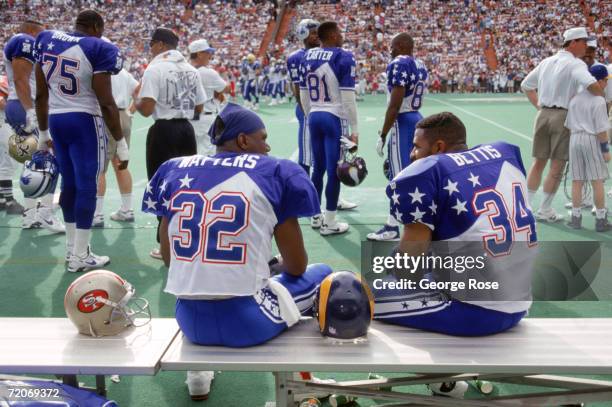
point(123, 85)
point(558, 78)
point(587, 113)
point(174, 85)
point(212, 82)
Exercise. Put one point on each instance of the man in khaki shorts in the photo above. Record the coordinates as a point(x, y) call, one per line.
point(549, 87)
point(125, 89)
point(587, 119)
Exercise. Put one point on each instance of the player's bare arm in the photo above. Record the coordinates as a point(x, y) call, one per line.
point(145, 106)
point(101, 85)
point(288, 237)
point(42, 99)
point(164, 241)
point(22, 69)
point(395, 102)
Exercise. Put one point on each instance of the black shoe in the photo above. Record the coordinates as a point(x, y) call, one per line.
point(575, 222)
point(602, 225)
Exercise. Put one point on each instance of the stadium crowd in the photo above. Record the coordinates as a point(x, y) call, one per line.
point(450, 36)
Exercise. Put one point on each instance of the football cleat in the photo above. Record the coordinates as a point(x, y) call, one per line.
point(98, 221)
point(351, 170)
point(316, 221)
point(29, 219)
point(335, 228)
point(344, 205)
point(123, 215)
point(48, 220)
point(156, 254)
point(602, 225)
point(89, 261)
point(198, 384)
point(385, 234)
point(548, 216)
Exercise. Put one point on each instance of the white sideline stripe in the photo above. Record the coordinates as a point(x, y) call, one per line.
point(294, 156)
point(484, 119)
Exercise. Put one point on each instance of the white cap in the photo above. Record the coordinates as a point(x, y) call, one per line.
point(592, 43)
point(200, 46)
point(575, 34)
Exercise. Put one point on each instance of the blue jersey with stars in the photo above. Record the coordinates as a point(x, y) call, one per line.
point(410, 73)
point(325, 72)
point(222, 211)
point(249, 70)
point(477, 195)
point(293, 65)
point(69, 62)
point(19, 46)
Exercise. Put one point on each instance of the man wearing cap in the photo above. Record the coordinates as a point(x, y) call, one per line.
point(219, 215)
point(200, 53)
point(589, 153)
point(549, 87)
point(172, 93)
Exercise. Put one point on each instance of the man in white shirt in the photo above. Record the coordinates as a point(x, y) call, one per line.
point(172, 93)
point(200, 54)
point(549, 87)
point(125, 90)
point(587, 119)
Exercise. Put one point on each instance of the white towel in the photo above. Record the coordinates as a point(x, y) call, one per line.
point(289, 311)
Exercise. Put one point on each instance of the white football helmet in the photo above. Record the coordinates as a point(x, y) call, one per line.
point(303, 28)
point(97, 304)
point(21, 148)
point(39, 175)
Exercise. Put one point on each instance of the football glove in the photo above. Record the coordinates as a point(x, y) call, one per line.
point(31, 122)
point(123, 153)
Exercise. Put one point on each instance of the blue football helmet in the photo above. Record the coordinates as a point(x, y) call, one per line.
point(344, 306)
point(303, 28)
point(39, 176)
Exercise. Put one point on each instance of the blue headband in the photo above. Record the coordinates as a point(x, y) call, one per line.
point(237, 120)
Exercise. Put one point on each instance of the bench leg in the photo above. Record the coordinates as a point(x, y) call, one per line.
point(283, 397)
point(70, 380)
point(101, 385)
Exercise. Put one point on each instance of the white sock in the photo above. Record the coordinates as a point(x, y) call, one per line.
point(81, 241)
point(70, 234)
point(600, 213)
point(391, 221)
point(126, 202)
point(99, 205)
point(576, 212)
point(547, 203)
point(29, 203)
point(530, 195)
point(47, 201)
point(329, 217)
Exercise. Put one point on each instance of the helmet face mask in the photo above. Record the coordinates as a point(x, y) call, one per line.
point(22, 148)
point(352, 170)
point(101, 303)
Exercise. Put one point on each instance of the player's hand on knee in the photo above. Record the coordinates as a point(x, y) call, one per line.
point(31, 122)
point(44, 141)
point(380, 145)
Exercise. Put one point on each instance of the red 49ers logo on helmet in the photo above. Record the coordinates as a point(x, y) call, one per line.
point(89, 303)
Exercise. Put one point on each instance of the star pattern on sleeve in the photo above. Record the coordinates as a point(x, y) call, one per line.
point(451, 187)
point(186, 181)
point(151, 204)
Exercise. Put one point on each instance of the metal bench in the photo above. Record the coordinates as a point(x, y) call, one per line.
point(53, 346)
point(527, 354)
